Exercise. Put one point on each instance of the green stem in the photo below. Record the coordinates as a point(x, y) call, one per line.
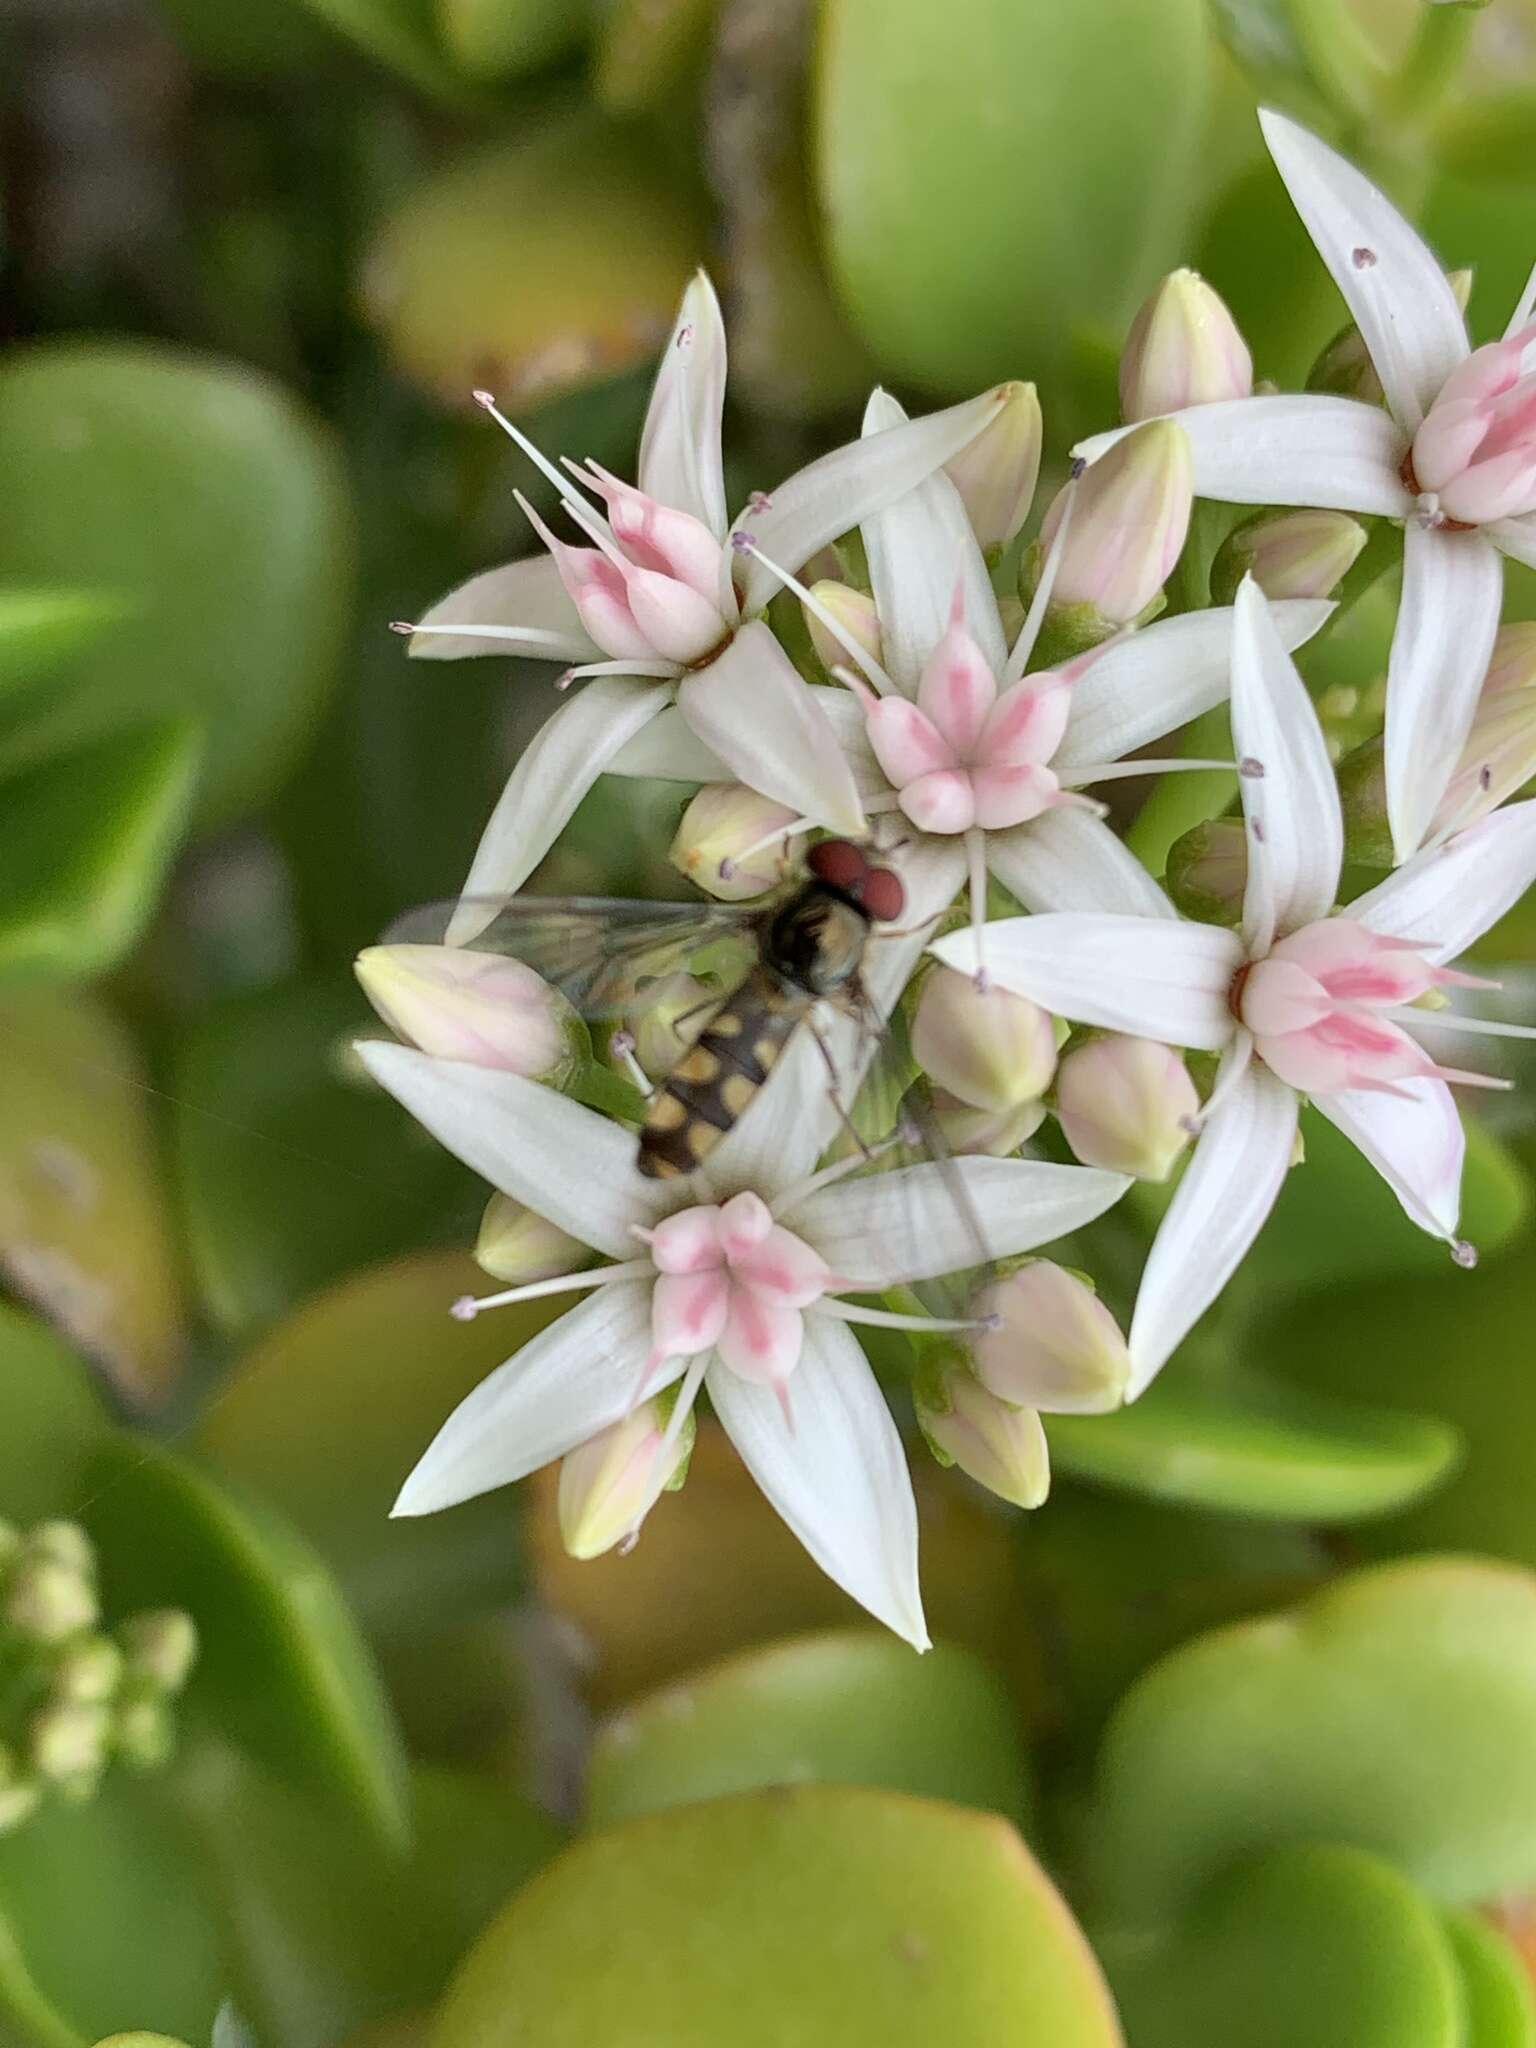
point(1343, 62)
point(1180, 802)
point(1430, 70)
point(1376, 559)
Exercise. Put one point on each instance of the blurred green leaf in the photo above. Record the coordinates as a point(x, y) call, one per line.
point(231, 39)
point(1323, 1945)
point(1394, 1710)
point(292, 1170)
point(51, 1421)
point(846, 1708)
point(813, 1914)
point(1500, 2011)
point(505, 38)
point(102, 1922)
point(989, 181)
point(537, 265)
point(281, 1667)
point(84, 1231)
point(1488, 228)
point(1257, 254)
point(201, 493)
point(648, 50)
point(40, 628)
point(399, 33)
point(85, 843)
point(377, 1363)
point(1489, 138)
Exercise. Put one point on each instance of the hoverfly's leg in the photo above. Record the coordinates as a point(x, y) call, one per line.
point(834, 1090)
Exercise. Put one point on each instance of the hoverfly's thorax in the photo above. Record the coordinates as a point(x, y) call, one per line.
point(817, 941)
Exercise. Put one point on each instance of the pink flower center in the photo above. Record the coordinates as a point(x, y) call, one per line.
point(731, 1280)
point(966, 754)
point(1475, 453)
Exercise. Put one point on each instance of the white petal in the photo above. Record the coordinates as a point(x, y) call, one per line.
point(1297, 448)
point(835, 1470)
point(1453, 587)
point(1070, 860)
point(1444, 899)
point(680, 444)
point(571, 1380)
point(754, 710)
point(845, 715)
point(1229, 1187)
point(1516, 538)
point(918, 547)
point(841, 490)
point(554, 772)
point(1142, 975)
point(564, 1161)
point(916, 1224)
point(667, 749)
point(1290, 799)
point(1143, 686)
point(1414, 1140)
point(1391, 281)
point(527, 595)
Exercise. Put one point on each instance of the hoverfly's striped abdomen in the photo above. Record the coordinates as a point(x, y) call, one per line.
point(719, 1074)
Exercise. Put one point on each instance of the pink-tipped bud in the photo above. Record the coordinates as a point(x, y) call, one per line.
point(665, 1020)
point(734, 843)
point(1208, 871)
point(1500, 754)
point(1475, 454)
point(478, 1007)
point(1288, 554)
point(1054, 1344)
point(1183, 349)
point(1126, 1104)
point(1128, 526)
point(609, 1484)
point(517, 1246)
point(1345, 367)
point(989, 1133)
point(855, 614)
point(996, 474)
point(988, 1047)
point(1001, 1446)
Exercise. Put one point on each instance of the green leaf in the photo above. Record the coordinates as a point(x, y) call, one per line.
point(505, 38)
point(1489, 138)
point(847, 1708)
point(293, 1170)
point(1500, 2011)
point(376, 1363)
point(809, 1914)
point(649, 50)
point(970, 227)
point(85, 844)
point(281, 1667)
point(51, 1421)
point(1252, 1445)
point(84, 1231)
point(102, 1920)
point(537, 265)
point(399, 33)
point(200, 493)
point(41, 628)
point(1394, 1710)
point(1318, 1944)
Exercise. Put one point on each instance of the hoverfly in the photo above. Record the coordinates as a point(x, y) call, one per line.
point(803, 947)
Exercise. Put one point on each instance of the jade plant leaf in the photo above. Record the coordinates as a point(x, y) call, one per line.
point(505, 38)
point(850, 1707)
point(812, 1913)
point(281, 1667)
point(52, 1419)
point(399, 33)
point(84, 1232)
point(538, 265)
point(926, 116)
point(86, 840)
point(42, 626)
point(201, 494)
point(648, 50)
point(1394, 1711)
point(1499, 2002)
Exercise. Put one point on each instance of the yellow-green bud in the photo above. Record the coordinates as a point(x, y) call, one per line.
point(987, 1047)
point(609, 1484)
point(734, 843)
point(1000, 1446)
point(854, 612)
point(1126, 1104)
point(482, 1008)
point(516, 1245)
point(1208, 871)
point(1184, 348)
point(996, 474)
point(88, 1669)
point(142, 1731)
point(993, 1133)
point(49, 1601)
point(1053, 1344)
point(67, 1740)
point(1130, 517)
point(160, 1648)
point(66, 1543)
point(1288, 554)
point(1500, 754)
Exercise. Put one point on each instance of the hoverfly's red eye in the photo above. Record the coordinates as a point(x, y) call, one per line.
point(882, 896)
point(841, 865)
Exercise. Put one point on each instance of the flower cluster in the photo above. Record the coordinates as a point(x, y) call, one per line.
point(975, 702)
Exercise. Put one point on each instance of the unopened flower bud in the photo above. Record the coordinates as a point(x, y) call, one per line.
point(478, 1007)
point(1184, 348)
point(1288, 554)
point(1126, 1104)
point(65, 1543)
point(1362, 778)
point(1054, 1344)
point(992, 1133)
point(1500, 754)
point(48, 1601)
point(89, 1669)
point(609, 1484)
point(996, 474)
point(20, 1796)
point(67, 1741)
point(517, 1245)
point(142, 1730)
point(1000, 1446)
point(988, 1047)
point(1129, 520)
point(665, 1020)
point(735, 843)
point(1208, 871)
point(854, 612)
point(160, 1648)
point(1345, 367)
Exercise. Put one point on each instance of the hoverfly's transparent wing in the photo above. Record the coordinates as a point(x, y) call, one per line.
point(602, 953)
